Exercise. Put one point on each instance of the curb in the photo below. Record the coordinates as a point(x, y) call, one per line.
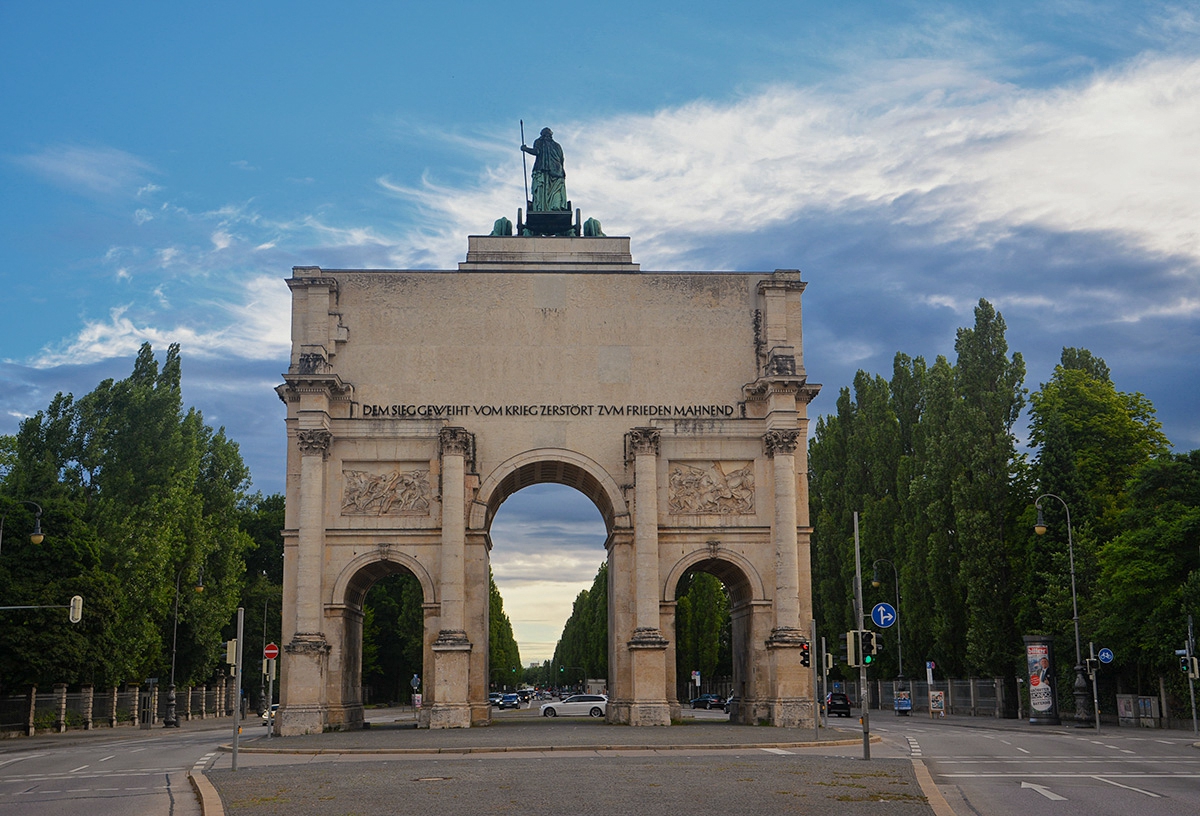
point(934, 796)
point(512, 749)
point(210, 800)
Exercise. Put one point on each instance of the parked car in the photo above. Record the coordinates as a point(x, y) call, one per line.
point(577, 705)
point(708, 701)
point(509, 701)
point(838, 704)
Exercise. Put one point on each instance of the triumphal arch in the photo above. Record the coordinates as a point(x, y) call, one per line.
point(418, 401)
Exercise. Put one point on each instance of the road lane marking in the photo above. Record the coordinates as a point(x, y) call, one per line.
point(1126, 787)
point(1044, 791)
point(1022, 750)
point(18, 759)
point(107, 758)
point(778, 751)
point(80, 768)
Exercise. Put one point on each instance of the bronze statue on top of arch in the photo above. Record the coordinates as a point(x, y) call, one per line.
point(548, 211)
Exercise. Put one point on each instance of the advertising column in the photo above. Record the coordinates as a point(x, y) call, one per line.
point(1043, 698)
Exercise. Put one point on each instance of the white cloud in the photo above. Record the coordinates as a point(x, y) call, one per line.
point(256, 326)
point(141, 216)
point(970, 156)
point(95, 170)
point(221, 240)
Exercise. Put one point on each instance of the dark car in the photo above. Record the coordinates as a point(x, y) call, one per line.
point(837, 704)
point(708, 701)
point(509, 701)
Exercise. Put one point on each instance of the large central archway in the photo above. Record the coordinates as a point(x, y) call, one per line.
point(419, 401)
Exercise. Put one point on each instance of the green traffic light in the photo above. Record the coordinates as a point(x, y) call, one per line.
point(868, 660)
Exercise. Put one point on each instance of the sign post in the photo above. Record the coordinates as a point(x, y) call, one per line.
point(270, 653)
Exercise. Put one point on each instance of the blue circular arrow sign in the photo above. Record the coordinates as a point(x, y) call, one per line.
point(1106, 656)
point(884, 615)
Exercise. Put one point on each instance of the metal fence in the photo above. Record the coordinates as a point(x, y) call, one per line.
point(61, 710)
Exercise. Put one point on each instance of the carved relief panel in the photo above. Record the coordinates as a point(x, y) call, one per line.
point(403, 490)
point(724, 488)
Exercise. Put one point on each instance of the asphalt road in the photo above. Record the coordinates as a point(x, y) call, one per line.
point(1016, 769)
point(120, 772)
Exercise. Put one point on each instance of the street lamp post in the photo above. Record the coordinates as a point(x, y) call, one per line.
point(1082, 719)
point(36, 536)
point(875, 582)
point(170, 720)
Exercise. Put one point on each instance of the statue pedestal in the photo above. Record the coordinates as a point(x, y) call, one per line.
point(549, 223)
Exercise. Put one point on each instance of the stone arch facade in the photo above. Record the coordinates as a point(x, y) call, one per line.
point(418, 401)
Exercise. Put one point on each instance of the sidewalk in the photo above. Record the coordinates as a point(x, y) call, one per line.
point(394, 767)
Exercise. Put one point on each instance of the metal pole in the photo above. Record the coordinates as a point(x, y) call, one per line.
point(524, 168)
point(237, 707)
point(864, 697)
point(812, 659)
point(1191, 651)
point(1095, 671)
point(270, 696)
point(1080, 689)
point(172, 721)
point(824, 683)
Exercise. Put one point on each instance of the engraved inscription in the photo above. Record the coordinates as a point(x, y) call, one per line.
point(395, 493)
point(711, 487)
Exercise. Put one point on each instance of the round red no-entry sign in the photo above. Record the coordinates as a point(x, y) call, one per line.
point(270, 651)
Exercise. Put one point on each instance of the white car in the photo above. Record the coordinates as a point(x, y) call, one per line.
point(577, 705)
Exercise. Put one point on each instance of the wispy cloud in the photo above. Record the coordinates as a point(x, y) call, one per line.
point(93, 170)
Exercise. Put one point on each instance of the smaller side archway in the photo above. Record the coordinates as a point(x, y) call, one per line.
point(750, 622)
point(344, 617)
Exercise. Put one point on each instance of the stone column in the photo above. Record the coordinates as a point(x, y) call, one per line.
point(780, 446)
point(306, 656)
point(790, 703)
point(648, 648)
point(451, 650)
point(31, 713)
point(88, 693)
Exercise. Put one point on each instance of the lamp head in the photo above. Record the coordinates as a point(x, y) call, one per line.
point(1040, 527)
point(36, 536)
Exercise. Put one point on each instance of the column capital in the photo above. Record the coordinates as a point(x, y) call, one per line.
point(314, 441)
point(454, 441)
point(784, 442)
point(643, 440)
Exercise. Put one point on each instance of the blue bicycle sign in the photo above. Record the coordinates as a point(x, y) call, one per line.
point(1105, 655)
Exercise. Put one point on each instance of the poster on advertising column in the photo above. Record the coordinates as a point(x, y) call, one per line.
point(1043, 698)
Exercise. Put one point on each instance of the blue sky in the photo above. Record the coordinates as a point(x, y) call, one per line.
point(163, 167)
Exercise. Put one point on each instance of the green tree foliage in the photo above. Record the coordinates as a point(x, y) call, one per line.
point(583, 646)
point(393, 636)
point(926, 459)
point(703, 630)
point(1149, 573)
point(503, 654)
point(262, 518)
point(138, 495)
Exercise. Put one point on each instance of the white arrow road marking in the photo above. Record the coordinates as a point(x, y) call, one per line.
point(1126, 787)
point(1044, 791)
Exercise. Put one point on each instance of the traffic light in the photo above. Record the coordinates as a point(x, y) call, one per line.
point(75, 613)
point(868, 647)
point(805, 655)
point(1185, 664)
point(1194, 670)
point(828, 662)
point(1092, 665)
point(853, 649)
